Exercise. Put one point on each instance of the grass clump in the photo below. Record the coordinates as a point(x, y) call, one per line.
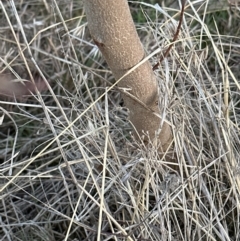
point(70, 169)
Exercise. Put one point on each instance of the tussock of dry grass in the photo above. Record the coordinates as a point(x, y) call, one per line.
point(69, 167)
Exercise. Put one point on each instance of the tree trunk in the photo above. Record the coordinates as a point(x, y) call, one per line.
point(113, 31)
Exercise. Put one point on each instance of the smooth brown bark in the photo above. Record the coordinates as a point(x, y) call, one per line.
point(113, 31)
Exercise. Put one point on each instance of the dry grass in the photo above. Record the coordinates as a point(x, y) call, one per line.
point(69, 167)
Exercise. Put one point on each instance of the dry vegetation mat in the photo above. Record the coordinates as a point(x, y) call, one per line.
point(69, 166)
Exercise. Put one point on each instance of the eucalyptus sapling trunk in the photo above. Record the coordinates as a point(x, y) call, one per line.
point(113, 31)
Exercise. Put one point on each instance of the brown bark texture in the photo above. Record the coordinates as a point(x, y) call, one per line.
point(113, 31)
